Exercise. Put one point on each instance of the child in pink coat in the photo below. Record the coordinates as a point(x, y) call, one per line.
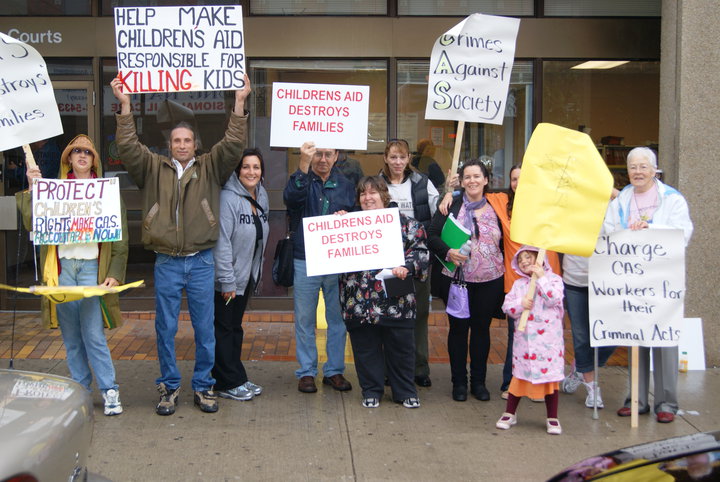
point(538, 351)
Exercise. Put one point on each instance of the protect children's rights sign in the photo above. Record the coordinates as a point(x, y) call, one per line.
point(353, 242)
point(333, 116)
point(180, 49)
point(637, 288)
point(470, 70)
point(76, 211)
point(28, 111)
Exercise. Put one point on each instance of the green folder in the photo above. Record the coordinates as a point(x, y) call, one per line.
point(454, 235)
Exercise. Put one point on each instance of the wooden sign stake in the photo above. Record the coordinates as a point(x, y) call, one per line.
point(531, 290)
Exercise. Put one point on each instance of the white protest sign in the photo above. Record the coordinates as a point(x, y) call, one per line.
point(353, 242)
point(470, 70)
point(333, 116)
point(28, 111)
point(76, 211)
point(179, 49)
point(637, 288)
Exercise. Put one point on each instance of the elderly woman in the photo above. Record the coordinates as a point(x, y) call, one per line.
point(647, 203)
point(483, 270)
point(416, 197)
point(381, 326)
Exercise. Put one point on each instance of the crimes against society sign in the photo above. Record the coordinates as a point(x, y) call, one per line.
point(76, 211)
point(353, 242)
point(28, 111)
point(180, 49)
point(637, 288)
point(470, 70)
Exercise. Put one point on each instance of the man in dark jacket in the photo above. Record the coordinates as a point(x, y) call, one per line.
point(181, 204)
point(316, 189)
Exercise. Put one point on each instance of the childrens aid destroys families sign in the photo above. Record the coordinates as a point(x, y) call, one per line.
point(332, 116)
point(179, 49)
point(28, 111)
point(76, 211)
point(353, 242)
point(470, 70)
point(637, 288)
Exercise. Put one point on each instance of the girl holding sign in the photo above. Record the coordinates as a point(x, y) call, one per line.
point(417, 198)
point(88, 264)
point(648, 203)
point(483, 270)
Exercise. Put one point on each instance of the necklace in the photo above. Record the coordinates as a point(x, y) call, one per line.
point(645, 212)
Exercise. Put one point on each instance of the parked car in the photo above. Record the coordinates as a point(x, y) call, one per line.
point(688, 457)
point(46, 422)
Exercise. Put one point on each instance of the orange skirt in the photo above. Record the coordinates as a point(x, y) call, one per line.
point(523, 388)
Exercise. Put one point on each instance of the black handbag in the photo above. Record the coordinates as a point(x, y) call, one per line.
point(283, 270)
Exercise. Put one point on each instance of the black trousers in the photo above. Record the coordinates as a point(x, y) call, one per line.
point(473, 334)
point(229, 371)
point(380, 347)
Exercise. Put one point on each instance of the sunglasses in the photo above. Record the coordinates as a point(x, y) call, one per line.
point(87, 152)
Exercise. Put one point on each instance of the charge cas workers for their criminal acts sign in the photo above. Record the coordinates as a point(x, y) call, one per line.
point(28, 111)
point(68, 211)
point(179, 49)
point(637, 288)
point(332, 116)
point(356, 241)
point(470, 69)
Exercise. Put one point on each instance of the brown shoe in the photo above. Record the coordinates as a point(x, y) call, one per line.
point(338, 382)
point(306, 384)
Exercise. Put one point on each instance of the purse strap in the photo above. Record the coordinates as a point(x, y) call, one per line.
point(459, 277)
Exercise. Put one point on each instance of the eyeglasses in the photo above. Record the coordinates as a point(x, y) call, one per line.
point(325, 154)
point(87, 152)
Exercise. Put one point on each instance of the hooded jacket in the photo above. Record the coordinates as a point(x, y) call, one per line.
point(237, 255)
point(180, 215)
point(112, 257)
point(539, 351)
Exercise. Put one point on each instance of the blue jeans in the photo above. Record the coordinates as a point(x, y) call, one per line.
point(576, 302)
point(82, 327)
point(305, 296)
point(195, 274)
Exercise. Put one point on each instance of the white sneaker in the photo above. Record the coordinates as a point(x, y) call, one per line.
point(570, 383)
point(251, 387)
point(238, 393)
point(590, 400)
point(112, 402)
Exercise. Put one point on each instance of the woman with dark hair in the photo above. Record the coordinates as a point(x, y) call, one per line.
point(483, 270)
point(416, 197)
point(381, 326)
point(238, 258)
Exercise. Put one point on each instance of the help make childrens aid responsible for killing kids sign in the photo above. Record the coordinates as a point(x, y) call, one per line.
point(28, 111)
point(179, 49)
point(333, 116)
point(470, 70)
point(76, 211)
point(637, 288)
point(353, 242)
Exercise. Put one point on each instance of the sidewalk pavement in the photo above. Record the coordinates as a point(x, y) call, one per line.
point(287, 435)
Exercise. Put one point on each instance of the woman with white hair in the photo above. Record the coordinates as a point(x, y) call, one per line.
point(647, 203)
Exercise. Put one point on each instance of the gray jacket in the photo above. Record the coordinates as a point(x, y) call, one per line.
point(236, 255)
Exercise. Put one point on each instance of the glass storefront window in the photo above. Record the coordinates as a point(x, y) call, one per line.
point(45, 7)
point(108, 5)
point(318, 7)
point(618, 107)
point(503, 144)
point(466, 7)
point(602, 8)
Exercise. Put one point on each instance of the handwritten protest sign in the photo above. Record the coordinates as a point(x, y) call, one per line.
point(353, 242)
point(177, 49)
point(470, 70)
point(76, 211)
point(563, 192)
point(637, 288)
point(28, 111)
point(333, 116)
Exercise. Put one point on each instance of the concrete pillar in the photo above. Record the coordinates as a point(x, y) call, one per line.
point(690, 147)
